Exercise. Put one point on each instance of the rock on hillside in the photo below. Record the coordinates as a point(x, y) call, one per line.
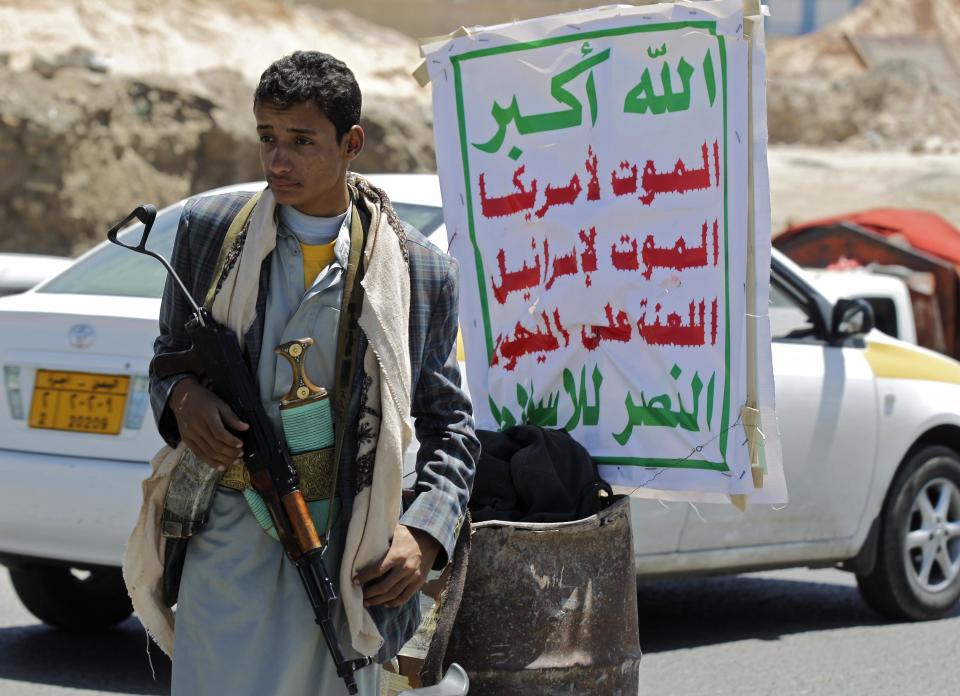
point(829, 52)
point(898, 106)
point(110, 103)
point(821, 91)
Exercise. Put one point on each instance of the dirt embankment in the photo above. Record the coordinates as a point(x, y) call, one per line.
point(884, 77)
point(866, 113)
point(114, 102)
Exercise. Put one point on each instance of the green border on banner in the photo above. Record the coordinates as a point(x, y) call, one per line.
point(711, 27)
point(651, 463)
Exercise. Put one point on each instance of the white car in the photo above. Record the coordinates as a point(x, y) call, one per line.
point(870, 434)
point(19, 272)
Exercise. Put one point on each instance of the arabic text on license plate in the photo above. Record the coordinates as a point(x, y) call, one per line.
point(79, 402)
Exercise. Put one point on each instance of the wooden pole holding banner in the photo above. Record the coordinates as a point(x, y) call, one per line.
point(750, 413)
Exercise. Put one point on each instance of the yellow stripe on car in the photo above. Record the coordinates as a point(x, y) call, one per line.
point(901, 362)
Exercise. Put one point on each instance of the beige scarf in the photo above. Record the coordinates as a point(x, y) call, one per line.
point(376, 509)
point(143, 557)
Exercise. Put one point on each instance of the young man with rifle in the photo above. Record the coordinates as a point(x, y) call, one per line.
point(319, 254)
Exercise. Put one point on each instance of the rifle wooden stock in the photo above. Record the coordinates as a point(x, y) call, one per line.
point(303, 528)
point(263, 484)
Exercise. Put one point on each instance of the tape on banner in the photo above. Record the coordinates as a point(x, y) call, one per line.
point(421, 74)
point(751, 428)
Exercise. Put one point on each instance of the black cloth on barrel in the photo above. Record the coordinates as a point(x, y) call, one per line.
point(531, 474)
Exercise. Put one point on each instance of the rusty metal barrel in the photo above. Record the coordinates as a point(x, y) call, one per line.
point(550, 608)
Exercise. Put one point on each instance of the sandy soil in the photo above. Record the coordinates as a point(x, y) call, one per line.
point(808, 183)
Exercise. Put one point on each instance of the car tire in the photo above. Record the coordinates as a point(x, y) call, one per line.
point(917, 573)
point(72, 600)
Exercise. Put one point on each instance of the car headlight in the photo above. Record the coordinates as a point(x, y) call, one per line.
point(11, 378)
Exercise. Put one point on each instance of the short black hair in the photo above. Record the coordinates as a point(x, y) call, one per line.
point(312, 76)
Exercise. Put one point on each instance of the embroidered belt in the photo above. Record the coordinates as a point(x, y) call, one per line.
point(316, 471)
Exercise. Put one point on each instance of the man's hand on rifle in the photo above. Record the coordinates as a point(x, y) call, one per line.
point(203, 419)
point(403, 571)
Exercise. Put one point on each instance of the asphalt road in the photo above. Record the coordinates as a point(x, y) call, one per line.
point(786, 633)
point(35, 659)
point(783, 633)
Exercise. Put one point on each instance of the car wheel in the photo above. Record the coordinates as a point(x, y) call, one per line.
point(917, 573)
point(72, 599)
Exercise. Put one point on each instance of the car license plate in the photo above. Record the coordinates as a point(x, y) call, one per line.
point(79, 402)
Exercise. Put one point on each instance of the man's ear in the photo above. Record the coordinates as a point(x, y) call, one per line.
point(352, 142)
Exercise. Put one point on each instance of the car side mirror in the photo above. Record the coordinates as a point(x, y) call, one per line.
point(851, 317)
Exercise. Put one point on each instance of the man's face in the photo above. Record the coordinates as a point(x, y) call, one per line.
point(303, 162)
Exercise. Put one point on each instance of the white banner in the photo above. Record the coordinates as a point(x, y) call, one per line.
point(596, 186)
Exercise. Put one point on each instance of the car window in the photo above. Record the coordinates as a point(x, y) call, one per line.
point(425, 218)
point(113, 270)
point(884, 315)
point(789, 318)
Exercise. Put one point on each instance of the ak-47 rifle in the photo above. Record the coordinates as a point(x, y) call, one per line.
point(216, 358)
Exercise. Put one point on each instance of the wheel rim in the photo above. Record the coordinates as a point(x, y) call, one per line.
point(932, 548)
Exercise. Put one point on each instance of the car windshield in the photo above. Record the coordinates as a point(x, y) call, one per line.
point(112, 270)
point(789, 319)
point(426, 218)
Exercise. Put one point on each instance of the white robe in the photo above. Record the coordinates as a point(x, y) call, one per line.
point(244, 625)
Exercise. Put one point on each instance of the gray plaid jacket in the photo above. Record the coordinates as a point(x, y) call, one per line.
point(443, 416)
